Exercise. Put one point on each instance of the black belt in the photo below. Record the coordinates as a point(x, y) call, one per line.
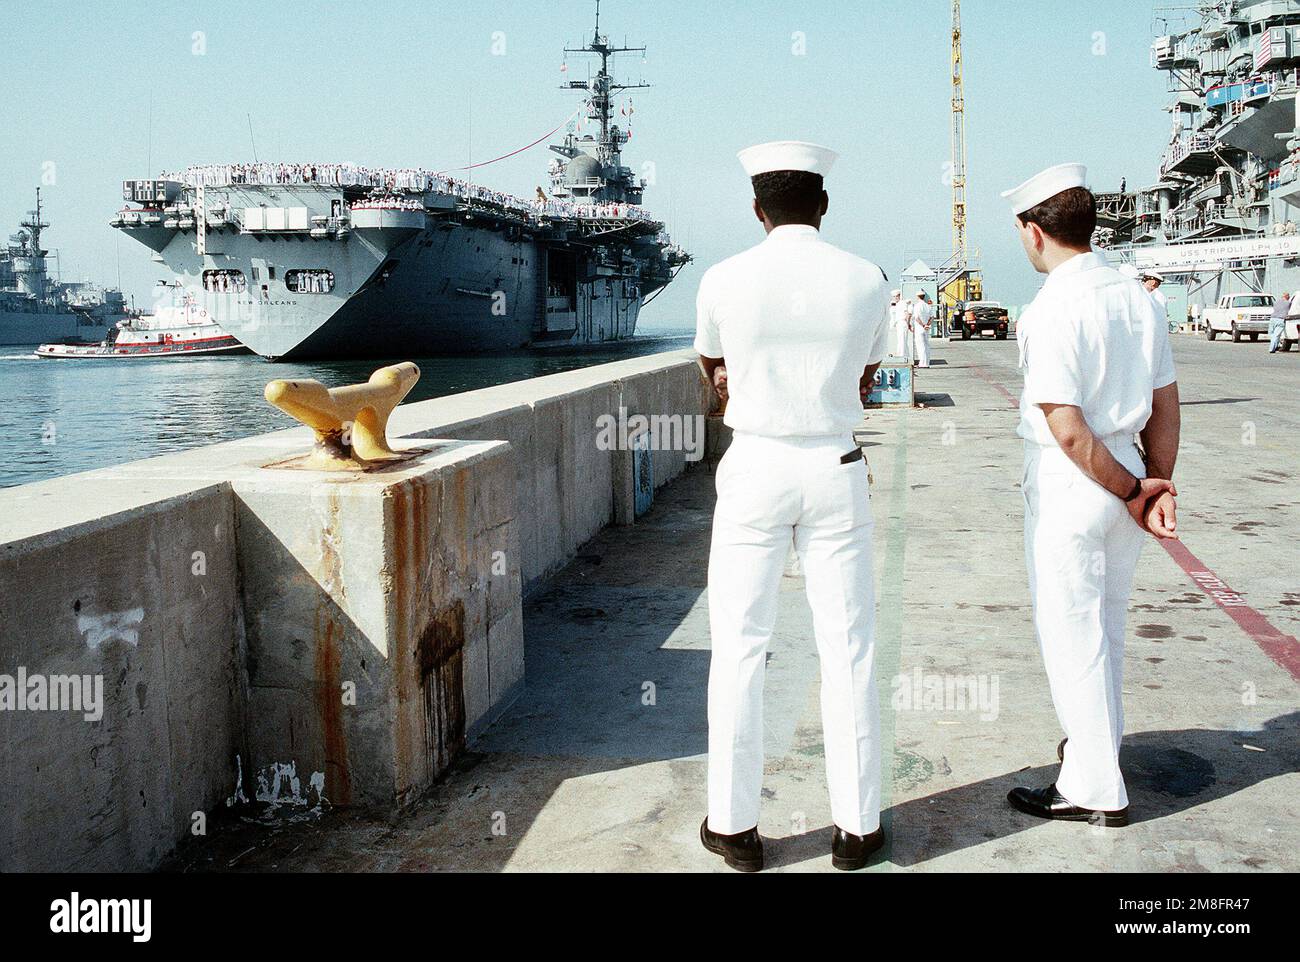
point(854, 455)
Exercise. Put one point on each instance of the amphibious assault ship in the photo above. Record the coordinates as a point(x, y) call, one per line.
point(1221, 216)
point(341, 260)
point(34, 308)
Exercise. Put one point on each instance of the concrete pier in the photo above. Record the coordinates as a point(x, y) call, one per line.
point(600, 764)
point(294, 639)
point(597, 762)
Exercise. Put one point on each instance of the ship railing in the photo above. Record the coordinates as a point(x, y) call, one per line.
point(1285, 174)
point(1184, 147)
point(140, 215)
point(402, 181)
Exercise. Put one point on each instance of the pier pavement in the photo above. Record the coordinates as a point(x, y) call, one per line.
point(600, 765)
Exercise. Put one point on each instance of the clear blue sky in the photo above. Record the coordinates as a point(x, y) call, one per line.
point(417, 84)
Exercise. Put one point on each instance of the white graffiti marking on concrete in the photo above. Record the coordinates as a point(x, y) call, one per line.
point(123, 626)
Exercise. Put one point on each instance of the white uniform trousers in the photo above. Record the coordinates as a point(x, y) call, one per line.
point(772, 491)
point(921, 334)
point(1082, 548)
point(903, 340)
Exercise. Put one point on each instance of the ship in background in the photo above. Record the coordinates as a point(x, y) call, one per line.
point(35, 308)
point(342, 261)
point(1220, 218)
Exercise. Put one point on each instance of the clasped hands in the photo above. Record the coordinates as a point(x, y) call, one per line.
point(1155, 509)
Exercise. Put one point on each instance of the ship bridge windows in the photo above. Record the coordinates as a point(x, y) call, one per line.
point(310, 281)
point(224, 281)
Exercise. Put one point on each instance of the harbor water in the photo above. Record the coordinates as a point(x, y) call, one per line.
point(63, 416)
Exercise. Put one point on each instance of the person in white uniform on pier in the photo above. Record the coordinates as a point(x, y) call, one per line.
point(801, 327)
point(905, 338)
point(1152, 280)
point(1099, 375)
point(922, 315)
point(897, 321)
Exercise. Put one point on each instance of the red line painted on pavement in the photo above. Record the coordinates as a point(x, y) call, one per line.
point(1282, 649)
point(1011, 398)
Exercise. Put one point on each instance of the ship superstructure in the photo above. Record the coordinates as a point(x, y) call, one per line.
point(35, 307)
point(1220, 216)
point(343, 260)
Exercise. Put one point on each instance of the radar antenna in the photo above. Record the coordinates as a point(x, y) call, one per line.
point(600, 88)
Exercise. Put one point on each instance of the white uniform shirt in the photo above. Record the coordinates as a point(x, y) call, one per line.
point(898, 313)
point(1161, 302)
point(1092, 338)
point(797, 321)
point(922, 315)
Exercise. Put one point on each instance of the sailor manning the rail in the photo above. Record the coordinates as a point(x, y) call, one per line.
point(801, 327)
point(1098, 375)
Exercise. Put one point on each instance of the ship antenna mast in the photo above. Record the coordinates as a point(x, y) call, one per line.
point(601, 87)
point(35, 224)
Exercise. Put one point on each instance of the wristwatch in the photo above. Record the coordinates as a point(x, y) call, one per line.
point(1137, 490)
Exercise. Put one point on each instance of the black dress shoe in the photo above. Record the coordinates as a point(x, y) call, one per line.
point(1060, 750)
point(742, 851)
point(1049, 803)
point(850, 852)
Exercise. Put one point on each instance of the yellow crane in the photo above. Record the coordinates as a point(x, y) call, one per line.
point(958, 143)
point(958, 280)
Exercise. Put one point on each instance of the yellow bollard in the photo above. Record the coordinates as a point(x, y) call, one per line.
point(351, 422)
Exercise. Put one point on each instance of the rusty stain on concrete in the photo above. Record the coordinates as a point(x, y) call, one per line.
point(328, 662)
point(329, 707)
point(440, 657)
point(427, 663)
point(406, 531)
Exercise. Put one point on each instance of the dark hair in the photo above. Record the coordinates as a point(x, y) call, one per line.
point(1068, 218)
point(789, 196)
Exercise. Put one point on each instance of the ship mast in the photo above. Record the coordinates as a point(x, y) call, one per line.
point(600, 89)
point(35, 225)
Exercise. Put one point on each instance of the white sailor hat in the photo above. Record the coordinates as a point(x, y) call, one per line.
point(895, 293)
point(1044, 185)
point(787, 155)
point(1154, 275)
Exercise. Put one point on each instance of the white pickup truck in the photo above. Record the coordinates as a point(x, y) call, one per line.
point(1238, 315)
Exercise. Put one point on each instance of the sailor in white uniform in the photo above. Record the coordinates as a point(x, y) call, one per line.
point(897, 321)
point(905, 330)
point(801, 327)
point(922, 315)
point(1098, 375)
point(1152, 280)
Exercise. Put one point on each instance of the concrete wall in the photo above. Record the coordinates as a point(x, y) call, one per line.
point(226, 606)
point(380, 632)
point(565, 479)
point(115, 597)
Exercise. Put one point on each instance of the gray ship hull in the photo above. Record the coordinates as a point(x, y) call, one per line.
point(22, 329)
point(408, 282)
point(345, 260)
